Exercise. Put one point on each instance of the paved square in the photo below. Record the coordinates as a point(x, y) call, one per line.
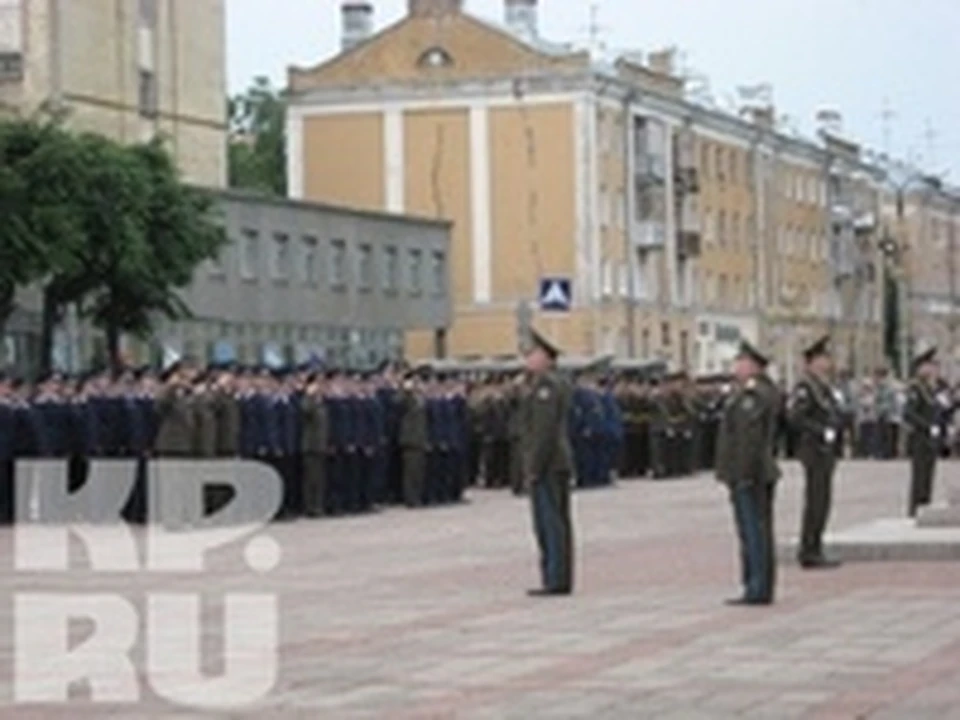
point(416, 615)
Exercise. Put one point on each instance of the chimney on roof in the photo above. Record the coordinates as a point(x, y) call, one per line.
point(434, 7)
point(356, 19)
point(662, 62)
point(520, 16)
point(830, 122)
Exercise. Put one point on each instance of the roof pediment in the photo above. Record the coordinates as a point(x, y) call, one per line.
point(433, 49)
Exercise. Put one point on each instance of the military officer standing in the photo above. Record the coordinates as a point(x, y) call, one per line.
point(747, 466)
point(547, 465)
point(923, 417)
point(413, 441)
point(817, 419)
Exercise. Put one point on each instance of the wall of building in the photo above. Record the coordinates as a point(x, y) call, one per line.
point(90, 56)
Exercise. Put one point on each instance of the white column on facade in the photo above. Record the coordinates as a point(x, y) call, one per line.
point(294, 131)
point(394, 159)
point(480, 221)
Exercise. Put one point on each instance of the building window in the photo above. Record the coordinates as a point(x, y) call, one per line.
point(665, 334)
point(719, 165)
point(148, 94)
point(438, 272)
point(365, 267)
point(415, 272)
point(705, 159)
point(735, 230)
point(734, 166)
point(338, 263)
point(708, 234)
point(309, 264)
point(722, 290)
point(249, 255)
point(280, 258)
point(148, 13)
point(391, 270)
point(722, 228)
point(435, 57)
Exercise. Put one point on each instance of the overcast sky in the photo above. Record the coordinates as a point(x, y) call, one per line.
point(845, 54)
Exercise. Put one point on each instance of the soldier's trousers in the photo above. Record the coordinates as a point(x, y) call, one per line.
point(515, 465)
point(496, 469)
point(753, 515)
point(818, 493)
point(314, 484)
point(414, 467)
point(550, 504)
point(923, 463)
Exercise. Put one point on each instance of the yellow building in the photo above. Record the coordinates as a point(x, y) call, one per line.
point(126, 69)
point(663, 214)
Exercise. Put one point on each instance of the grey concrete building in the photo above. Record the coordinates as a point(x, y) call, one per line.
point(297, 280)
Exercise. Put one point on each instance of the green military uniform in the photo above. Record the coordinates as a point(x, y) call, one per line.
point(547, 469)
point(514, 421)
point(817, 419)
point(315, 446)
point(227, 412)
point(413, 445)
point(746, 465)
point(176, 423)
point(205, 420)
point(922, 415)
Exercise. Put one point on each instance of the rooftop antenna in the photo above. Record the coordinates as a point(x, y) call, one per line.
point(595, 31)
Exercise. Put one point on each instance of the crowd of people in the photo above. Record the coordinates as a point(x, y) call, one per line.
point(346, 442)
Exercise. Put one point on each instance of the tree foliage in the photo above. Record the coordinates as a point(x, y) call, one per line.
point(107, 227)
point(257, 152)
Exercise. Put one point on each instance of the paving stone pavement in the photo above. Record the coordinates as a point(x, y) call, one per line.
point(422, 616)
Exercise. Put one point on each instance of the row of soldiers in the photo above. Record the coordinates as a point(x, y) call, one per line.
point(341, 442)
point(347, 442)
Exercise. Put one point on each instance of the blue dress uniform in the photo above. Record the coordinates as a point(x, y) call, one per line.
point(612, 435)
point(460, 447)
point(378, 473)
point(433, 467)
point(448, 450)
point(273, 417)
point(138, 414)
point(288, 445)
point(249, 424)
point(336, 405)
point(390, 414)
point(579, 433)
point(367, 441)
point(593, 446)
point(8, 432)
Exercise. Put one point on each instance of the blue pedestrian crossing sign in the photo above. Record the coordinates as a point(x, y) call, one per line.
point(556, 294)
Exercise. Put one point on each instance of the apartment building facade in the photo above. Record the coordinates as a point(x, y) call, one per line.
point(680, 228)
point(128, 69)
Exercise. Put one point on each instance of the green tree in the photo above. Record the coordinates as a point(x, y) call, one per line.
point(108, 227)
point(180, 230)
point(41, 178)
point(257, 152)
